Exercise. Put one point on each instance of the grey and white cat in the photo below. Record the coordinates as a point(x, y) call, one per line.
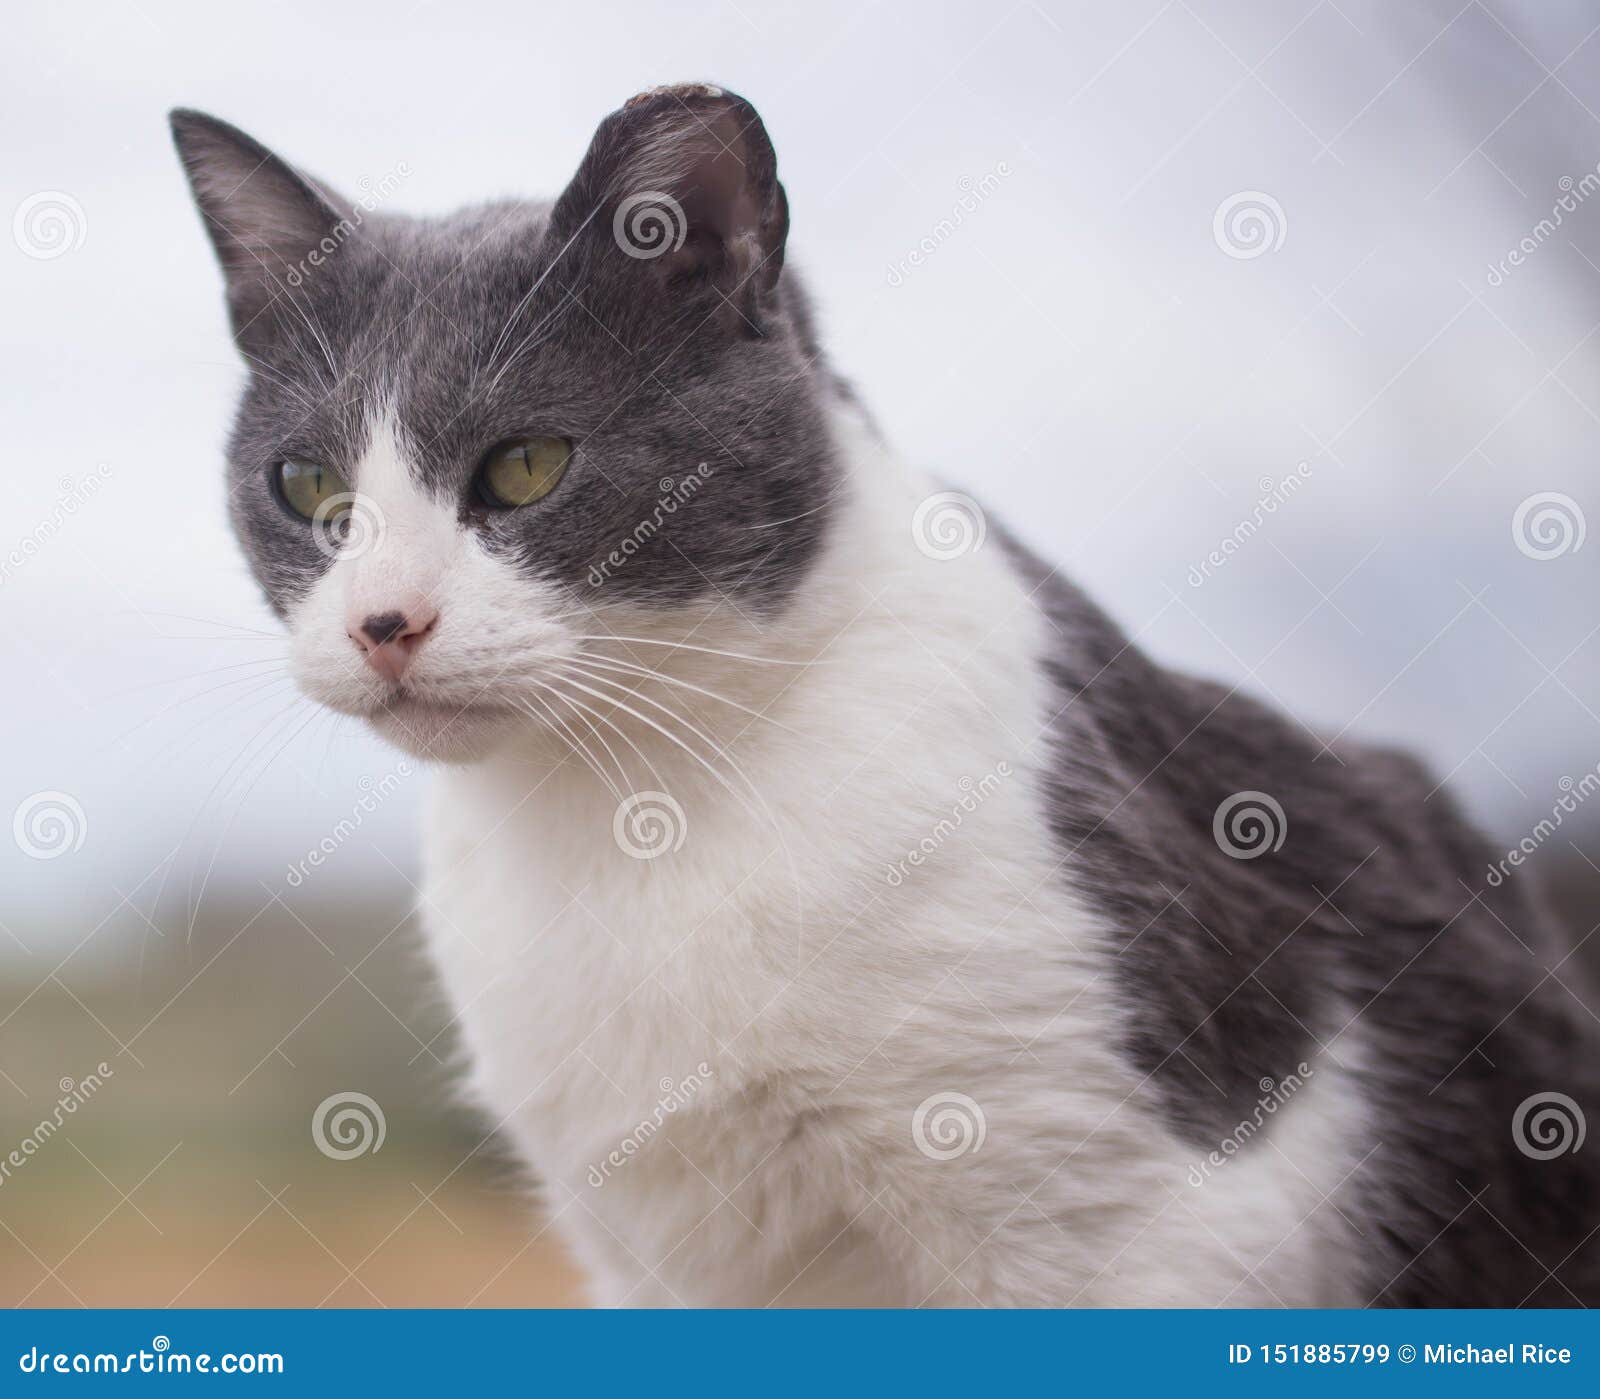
point(836, 907)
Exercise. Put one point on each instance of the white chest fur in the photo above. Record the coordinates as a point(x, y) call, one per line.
point(853, 1040)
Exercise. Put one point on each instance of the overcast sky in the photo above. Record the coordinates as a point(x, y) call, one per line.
point(1204, 247)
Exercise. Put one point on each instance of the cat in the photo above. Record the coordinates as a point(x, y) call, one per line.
point(836, 907)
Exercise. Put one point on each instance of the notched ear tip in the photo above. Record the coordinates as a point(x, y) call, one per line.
point(683, 180)
point(681, 92)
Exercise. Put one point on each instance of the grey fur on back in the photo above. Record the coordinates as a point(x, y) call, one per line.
point(1369, 935)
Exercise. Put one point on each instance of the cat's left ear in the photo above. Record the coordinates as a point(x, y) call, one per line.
point(682, 183)
point(268, 222)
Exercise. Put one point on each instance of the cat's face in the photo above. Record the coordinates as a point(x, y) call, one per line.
point(467, 444)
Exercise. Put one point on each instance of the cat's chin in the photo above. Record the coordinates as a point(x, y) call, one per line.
point(444, 733)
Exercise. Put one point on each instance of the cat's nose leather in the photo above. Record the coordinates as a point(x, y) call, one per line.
point(390, 639)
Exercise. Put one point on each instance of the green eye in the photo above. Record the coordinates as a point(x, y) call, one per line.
point(520, 473)
point(307, 488)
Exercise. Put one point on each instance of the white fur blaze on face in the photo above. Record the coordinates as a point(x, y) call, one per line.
point(405, 542)
point(407, 553)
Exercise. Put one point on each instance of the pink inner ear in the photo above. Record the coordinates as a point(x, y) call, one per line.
point(727, 198)
point(719, 187)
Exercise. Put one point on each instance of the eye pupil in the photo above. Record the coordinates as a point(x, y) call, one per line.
point(310, 490)
point(523, 472)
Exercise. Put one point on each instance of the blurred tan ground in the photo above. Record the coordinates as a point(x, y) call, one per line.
point(191, 1177)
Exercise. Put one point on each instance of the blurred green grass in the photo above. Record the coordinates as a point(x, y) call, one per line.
point(191, 1176)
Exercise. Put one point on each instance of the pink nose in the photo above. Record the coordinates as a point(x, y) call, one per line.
point(391, 639)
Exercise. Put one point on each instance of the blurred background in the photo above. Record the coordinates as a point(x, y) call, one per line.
point(1274, 323)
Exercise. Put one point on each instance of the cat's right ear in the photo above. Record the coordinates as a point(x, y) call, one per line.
point(268, 223)
point(678, 198)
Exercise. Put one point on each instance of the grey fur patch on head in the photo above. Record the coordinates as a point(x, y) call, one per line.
point(690, 357)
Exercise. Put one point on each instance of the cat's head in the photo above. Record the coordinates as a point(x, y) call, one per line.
point(467, 443)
